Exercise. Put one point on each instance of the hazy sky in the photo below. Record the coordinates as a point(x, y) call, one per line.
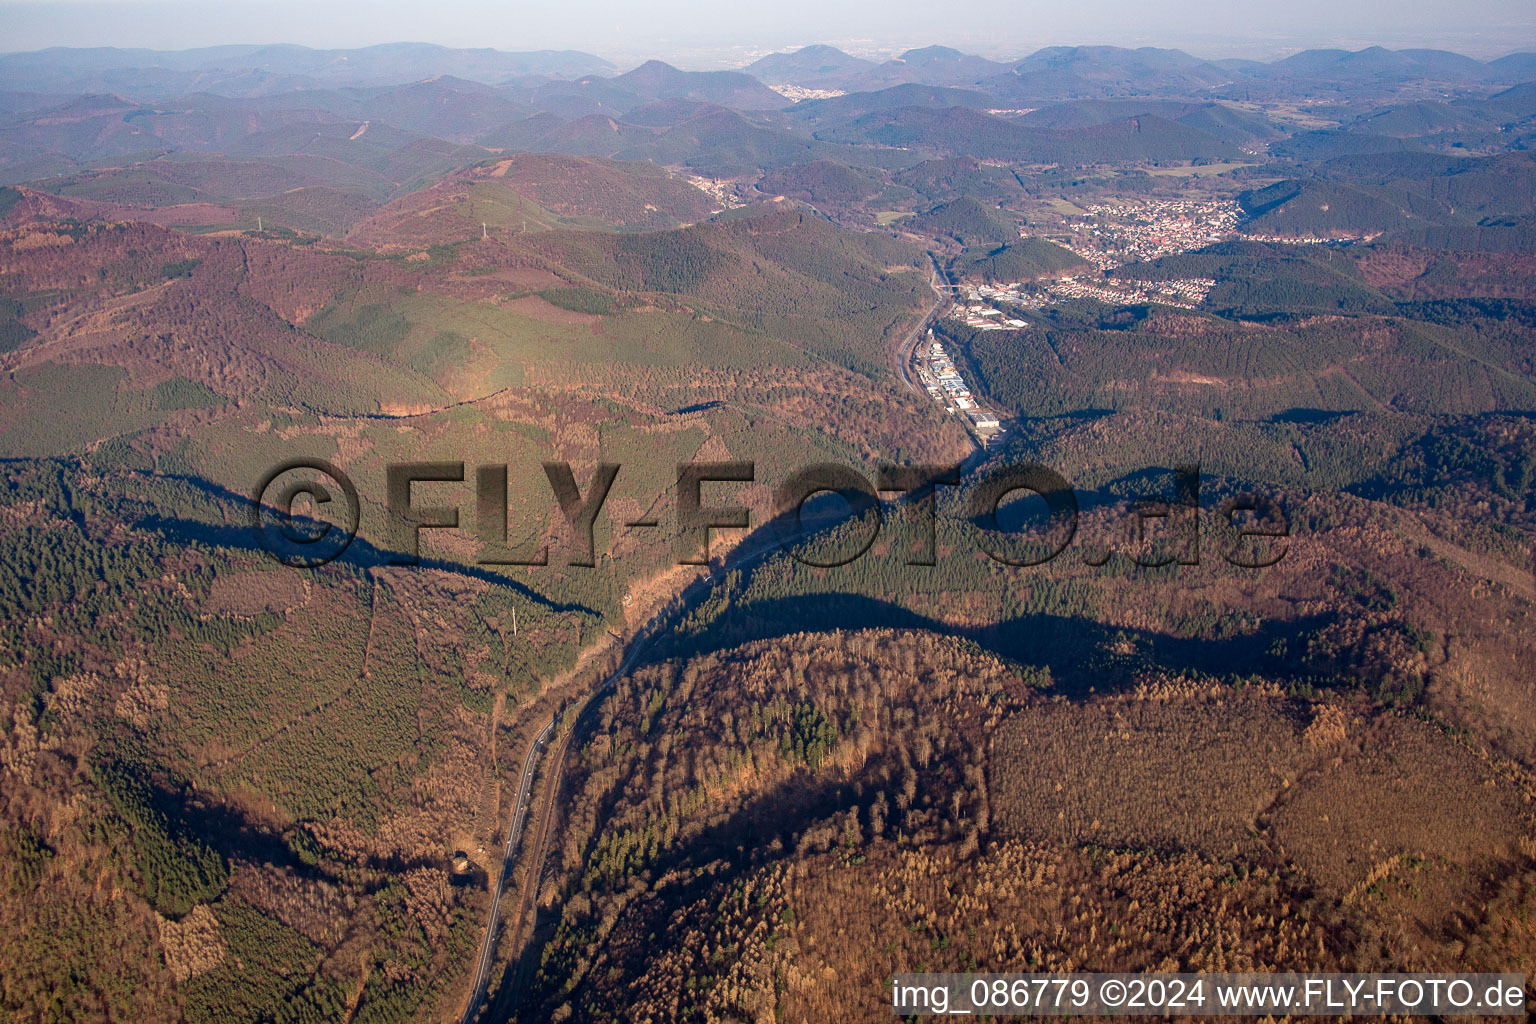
point(719, 32)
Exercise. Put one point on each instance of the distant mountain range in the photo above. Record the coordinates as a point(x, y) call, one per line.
point(247, 125)
point(1051, 73)
point(263, 70)
point(1079, 71)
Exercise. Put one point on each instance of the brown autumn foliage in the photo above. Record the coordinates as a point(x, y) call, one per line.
point(766, 831)
point(956, 816)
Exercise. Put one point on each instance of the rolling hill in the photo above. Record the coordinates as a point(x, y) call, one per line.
point(965, 221)
point(820, 182)
point(952, 177)
point(1394, 192)
point(961, 130)
point(1216, 119)
point(531, 191)
point(324, 147)
point(810, 67)
point(1067, 72)
point(746, 267)
point(712, 139)
point(655, 80)
point(1411, 120)
point(1320, 208)
point(929, 65)
point(1023, 260)
point(1377, 63)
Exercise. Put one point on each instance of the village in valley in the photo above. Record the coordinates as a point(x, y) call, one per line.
point(937, 372)
point(1132, 231)
point(1109, 235)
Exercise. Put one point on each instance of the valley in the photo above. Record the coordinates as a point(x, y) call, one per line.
point(491, 761)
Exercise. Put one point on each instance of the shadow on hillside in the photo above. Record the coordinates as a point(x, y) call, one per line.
point(360, 554)
point(1311, 416)
point(236, 836)
point(1083, 656)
